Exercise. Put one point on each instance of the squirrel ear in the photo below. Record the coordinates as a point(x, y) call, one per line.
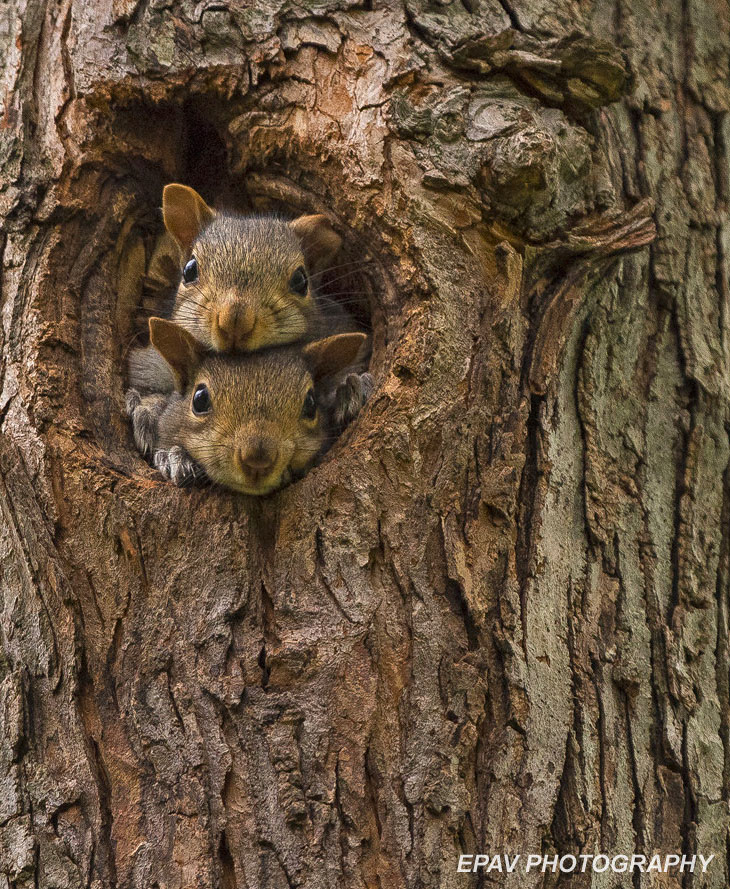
point(185, 213)
point(179, 348)
point(333, 354)
point(319, 240)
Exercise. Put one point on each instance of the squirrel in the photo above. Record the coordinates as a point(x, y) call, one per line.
point(246, 284)
point(251, 421)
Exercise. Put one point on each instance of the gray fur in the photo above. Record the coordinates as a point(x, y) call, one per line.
point(176, 465)
point(149, 372)
point(146, 412)
point(258, 384)
point(247, 252)
point(349, 397)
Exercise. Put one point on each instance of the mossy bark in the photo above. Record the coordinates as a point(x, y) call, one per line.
point(495, 619)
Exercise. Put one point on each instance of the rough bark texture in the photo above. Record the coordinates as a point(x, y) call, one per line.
point(496, 617)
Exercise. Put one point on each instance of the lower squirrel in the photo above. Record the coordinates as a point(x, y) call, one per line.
point(250, 422)
point(246, 284)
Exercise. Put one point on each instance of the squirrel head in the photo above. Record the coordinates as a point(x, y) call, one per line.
point(246, 280)
point(253, 421)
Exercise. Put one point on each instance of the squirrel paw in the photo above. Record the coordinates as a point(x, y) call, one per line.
point(144, 413)
point(132, 400)
point(177, 466)
point(350, 396)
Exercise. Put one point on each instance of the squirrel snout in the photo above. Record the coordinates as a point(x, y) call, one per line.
point(257, 457)
point(232, 326)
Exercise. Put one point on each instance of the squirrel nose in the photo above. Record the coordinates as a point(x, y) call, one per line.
point(232, 326)
point(245, 322)
point(258, 456)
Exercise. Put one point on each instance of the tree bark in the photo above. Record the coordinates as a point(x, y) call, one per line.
point(495, 619)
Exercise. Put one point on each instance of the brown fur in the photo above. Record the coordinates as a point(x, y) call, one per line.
point(255, 438)
point(242, 300)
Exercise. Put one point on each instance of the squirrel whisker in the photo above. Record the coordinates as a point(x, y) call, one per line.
point(333, 268)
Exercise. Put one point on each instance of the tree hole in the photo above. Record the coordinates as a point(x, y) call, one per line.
point(197, 151)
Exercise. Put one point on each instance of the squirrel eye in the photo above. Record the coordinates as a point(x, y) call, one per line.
point(309, 408)
point(298, 282)
point(201, 400)
point(190, 272)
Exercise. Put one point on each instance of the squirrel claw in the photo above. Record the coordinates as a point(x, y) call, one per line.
point(144, 413)
point(132, 400)
point(176, 465)
point(350, 396)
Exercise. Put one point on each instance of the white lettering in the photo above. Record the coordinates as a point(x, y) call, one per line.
point(568, 868)
point(532, 861)
point(620, 864)
point(655, 864)
point(596, 868)
point(511, 865)
point(568, 864)
point(464, 864)
point(706, 862)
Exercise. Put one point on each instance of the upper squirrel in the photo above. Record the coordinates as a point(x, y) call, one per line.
point(252, 422)
point(246, 280)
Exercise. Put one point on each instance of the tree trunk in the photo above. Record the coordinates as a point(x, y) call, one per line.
point(495, 619)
